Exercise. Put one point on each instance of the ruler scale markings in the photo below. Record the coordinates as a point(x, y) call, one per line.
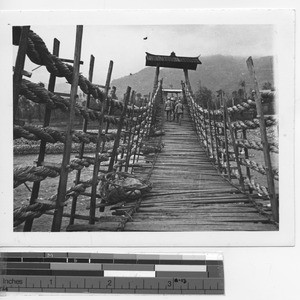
point(113, 273)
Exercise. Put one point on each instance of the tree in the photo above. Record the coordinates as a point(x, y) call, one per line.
point(203, 95)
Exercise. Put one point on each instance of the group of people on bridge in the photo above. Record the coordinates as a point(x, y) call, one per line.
point(174, 109)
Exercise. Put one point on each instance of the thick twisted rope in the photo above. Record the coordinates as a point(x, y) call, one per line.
point(21, 214)
point(250, 104)
point(257, 145)
point(247, 124)
point(260, 189)
point(39, 173)
point(258, 167)
point(39, 54)
point(38, 94)
point(51, 135)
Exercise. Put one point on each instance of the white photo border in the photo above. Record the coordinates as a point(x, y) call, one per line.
point(284, 22)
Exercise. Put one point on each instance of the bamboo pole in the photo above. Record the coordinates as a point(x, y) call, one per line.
point(97, 151)
point(118, 135)
point(246, 157)
point(225, 134)
point(42, 151)
point(235, 148)
point(216, 138)
point(264, 140)
point(57, 219)
point(81, 150)
point(210, 131)
point(18, 70)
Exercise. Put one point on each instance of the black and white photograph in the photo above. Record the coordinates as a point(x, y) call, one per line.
point(181, 134)
point(150, 127)
point(149, 148)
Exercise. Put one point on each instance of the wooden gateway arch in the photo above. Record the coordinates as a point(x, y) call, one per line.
point(172, 61)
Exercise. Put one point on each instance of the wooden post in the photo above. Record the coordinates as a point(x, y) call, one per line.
point(127, 129)
point(225, 134)
point(118, 135)
point(246, 157)
point(138, 128)
point(216, 137)
point(57, 219)
point(81, 150)
point(155, 84)
point(18, 70)
point(264, 139)
point(97, 151)
point(206, 133)
point(210, 130)
point(235, 148)
point(131, 133)
point(41, 157)
point(186, 76)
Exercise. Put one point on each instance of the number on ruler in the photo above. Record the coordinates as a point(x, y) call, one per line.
point(109, 283)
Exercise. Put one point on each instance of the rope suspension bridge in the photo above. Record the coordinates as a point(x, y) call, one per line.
point(146, 173)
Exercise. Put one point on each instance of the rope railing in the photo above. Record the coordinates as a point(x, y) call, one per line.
point(51, 135)
point(23, 174)
point(132, 125)
point(227, 144)
point(39, 54)
point(38, 173)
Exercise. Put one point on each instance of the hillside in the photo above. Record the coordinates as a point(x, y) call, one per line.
point(216, 72)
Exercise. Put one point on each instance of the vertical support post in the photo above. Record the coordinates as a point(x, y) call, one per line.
point(131, 133)
point(127, 129)
point(235, 148)
point(97, 151)
point(81, 150)
point(210, 130)
point(216, 137)
point(247, 156)
point(183, 92)
point(263, 132)
point(118, 135)
point(225, 134)
point(206, 133)
point(187, 80)
point(19, 66)
point(58, 214)
point(137, 135)
point(41, 157)
point(155, 84)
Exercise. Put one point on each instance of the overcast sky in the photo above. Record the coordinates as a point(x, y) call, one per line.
point(126, 46)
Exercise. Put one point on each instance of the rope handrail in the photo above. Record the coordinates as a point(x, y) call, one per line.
point(38, 94)
point(51, 135)
point(32, 211)
point(39, 54)
point(258, 167)
point(39, 173)
point(203, 124)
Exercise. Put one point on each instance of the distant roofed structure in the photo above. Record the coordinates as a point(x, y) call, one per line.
point(172, 61)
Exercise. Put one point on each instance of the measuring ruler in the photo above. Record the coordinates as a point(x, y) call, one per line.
point(111, 273)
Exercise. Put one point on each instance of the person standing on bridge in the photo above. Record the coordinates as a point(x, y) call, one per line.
point(168, 108)
point(179, 111)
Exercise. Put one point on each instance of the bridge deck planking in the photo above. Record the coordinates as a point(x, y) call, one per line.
point(188, 194)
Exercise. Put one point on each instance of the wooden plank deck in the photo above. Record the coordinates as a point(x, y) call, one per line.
point(188, 194)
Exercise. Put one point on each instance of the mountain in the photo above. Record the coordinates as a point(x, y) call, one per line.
point(216, 72)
